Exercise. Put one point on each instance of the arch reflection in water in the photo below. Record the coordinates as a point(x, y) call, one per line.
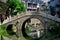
point(11, 29)
point(33, 28)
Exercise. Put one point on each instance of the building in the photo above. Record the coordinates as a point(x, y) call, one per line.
point(56, 5)
point(32, 6)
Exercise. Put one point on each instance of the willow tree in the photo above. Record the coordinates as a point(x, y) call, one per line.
point(15, 6)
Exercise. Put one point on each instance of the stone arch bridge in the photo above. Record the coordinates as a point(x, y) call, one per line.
point(46, 19)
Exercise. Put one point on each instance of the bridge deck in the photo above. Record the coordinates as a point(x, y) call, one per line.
point(47, 16)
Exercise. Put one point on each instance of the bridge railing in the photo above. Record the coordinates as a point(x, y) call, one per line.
point(12, 18)
point(48, 16)
point(54, 18)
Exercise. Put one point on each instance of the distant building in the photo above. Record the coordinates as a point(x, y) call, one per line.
point(36, 1)
point(56, 5)
point(32, 5)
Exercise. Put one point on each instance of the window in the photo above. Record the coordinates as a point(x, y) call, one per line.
point(29, 4)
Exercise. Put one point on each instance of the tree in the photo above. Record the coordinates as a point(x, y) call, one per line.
point(54, 29)
point(15, 6)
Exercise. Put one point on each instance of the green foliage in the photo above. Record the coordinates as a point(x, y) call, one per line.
point(3, 7)
point(20, 7)
point(2, 29)
point(29, 38)
point(16, 5)
point(2, 32)
point(55, 28)
point(27, 29)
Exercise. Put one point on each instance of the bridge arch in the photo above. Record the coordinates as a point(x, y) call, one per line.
point(35, 17)
point(10, 30)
